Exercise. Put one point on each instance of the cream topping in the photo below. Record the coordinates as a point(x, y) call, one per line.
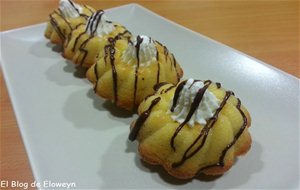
point(146, 48)
point(99, 25)
point(70, 9)
point(206, 109)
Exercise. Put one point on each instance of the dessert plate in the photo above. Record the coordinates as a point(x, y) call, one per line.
point(73, 136)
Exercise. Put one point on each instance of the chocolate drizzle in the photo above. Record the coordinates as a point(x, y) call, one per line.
point(109, 51)
point(166, 52)
point(168, 89)
point(204, 133)
point(61, 33)
point(97, 76)
point(158, 66)
point(195, 104)
point(96, 17)
point(71, 2)
point(111, 40)
point(57, 27)
point(200, 141)
point(236, 137)
point(139, 40)
point(142, 118)
point(88, 8)
point(114, 71)
point(76, 40)
point(159, 85)
point(176, 95)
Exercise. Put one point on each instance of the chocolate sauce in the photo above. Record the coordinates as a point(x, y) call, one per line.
point(139, 40)
point(57, 28)
point(96, 74)
point(109, 51)
point(170, 88)
point(166, 52)
point(62, 17)
point(74, 6)
point(175, 67)
point(88, 8)
point(141, 120)
point(195, 104)
point(199, 142)
point(114, 71)
point(159, 85)
point(158, 72)
point(90, 24)
point(176, 95)
point(76, 40)
point(158, 65)
point(204, 132)
point(99, 15)
point(85, 52)
point(236, 137)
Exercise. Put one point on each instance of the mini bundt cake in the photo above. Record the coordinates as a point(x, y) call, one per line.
point(88, 40)
point(194, 127)
point(66, 18)
point(128, 69)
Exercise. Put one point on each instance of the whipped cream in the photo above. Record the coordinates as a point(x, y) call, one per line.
point(99, 25)
point(70, 9)
point(146, 48)
point(206, 109)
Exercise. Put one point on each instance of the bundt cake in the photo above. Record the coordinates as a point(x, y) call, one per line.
point(86, 41)
point(194, 127)
point(129, 68)
point(66, 18)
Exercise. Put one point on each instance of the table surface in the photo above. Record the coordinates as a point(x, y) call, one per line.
point(266, 30)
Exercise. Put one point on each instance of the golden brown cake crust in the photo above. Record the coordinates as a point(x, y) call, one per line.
point(154, 136)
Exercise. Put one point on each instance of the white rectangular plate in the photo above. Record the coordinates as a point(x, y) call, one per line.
point(71, 135)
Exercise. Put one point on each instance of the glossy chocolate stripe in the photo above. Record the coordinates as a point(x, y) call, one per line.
point(88, 8)
point(76, 40)
point(236, 137)
point(166, 53)
point(176, 95)
point(114, 72)
point(93, 18)
point(139, 40)
point(175, 67)
point(158, 72)
point(204, 132)
point(57, 28)
point(141, 120)
point(71, 2)
point(170, 88)
point(98, 21)
point(64, 18)
point(195, 104)
point(89, 22)
point(85, 52)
